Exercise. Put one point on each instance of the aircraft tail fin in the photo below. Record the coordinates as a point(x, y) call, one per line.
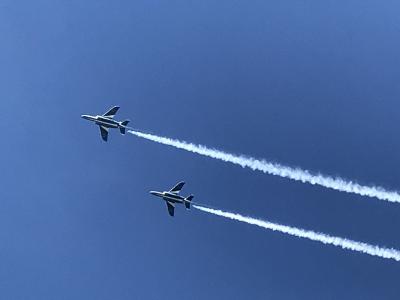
point(188, 201)
point(122, 129)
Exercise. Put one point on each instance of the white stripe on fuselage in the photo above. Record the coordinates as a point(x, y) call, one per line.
point(173, 199)
point(111, 125)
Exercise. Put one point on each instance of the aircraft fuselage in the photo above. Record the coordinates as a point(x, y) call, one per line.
point(103, 121)
point(170, 197)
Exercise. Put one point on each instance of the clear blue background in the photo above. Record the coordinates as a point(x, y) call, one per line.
point(313, 84)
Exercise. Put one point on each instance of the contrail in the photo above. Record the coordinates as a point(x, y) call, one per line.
point(296, 174)
point(311, 235)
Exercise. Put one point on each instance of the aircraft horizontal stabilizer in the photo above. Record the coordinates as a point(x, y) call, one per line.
point(188, 201)
point(122, 129)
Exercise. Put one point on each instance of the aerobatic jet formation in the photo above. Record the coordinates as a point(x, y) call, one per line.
point(107, 121)
point(172, 197)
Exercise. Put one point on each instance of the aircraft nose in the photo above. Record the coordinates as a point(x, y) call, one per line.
point(154, 193)
point(86, 117)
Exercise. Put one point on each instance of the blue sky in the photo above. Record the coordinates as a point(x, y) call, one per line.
point(305, 84)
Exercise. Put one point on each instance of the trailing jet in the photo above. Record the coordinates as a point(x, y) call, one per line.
point(172, 196)
point(107, 121)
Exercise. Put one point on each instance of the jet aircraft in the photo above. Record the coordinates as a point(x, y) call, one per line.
point(172, 197)
point(107, 121)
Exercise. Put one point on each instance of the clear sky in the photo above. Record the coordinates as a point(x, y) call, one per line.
point(312, 84)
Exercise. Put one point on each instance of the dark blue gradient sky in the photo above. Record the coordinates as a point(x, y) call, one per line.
point(306, 84)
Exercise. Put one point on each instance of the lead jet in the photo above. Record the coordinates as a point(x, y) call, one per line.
point(107, 121)
point(172, 197)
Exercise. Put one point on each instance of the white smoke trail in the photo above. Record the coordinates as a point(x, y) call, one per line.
point(311, 235)
point(297, 174)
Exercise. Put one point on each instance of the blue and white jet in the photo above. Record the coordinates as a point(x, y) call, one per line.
point(107, 121)
point(172, 197)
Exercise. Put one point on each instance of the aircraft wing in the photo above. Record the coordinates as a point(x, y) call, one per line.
point(104, 133)
point(111, 112)
point(177, 188)
point(171, 208)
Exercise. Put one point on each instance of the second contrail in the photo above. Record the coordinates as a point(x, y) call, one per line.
point(310, 235)
point(296, 174)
